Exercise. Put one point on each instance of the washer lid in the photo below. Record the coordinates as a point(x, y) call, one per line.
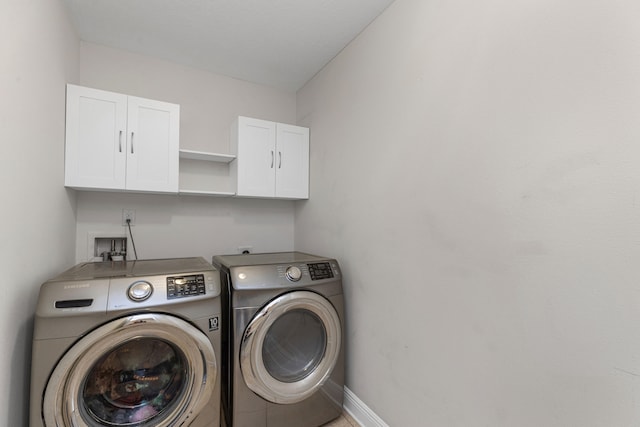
point(139, 268)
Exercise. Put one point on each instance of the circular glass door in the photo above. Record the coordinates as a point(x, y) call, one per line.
point(294, 345)
point(290, 347)
point(135, 382)
point(147, 369)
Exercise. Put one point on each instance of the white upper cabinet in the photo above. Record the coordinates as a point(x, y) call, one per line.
point(292, 170)
point(95, 145)
point(254, 144)
point(120, 142)
point(153, 145)
point(272, 159)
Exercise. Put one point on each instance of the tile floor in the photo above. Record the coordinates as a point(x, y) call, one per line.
point(345, 420)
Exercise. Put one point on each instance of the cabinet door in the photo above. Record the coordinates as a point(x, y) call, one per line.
point(152, 145)
point(256, 157)
point(292, 168)
point(95, 149)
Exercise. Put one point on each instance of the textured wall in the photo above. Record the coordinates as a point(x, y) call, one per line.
point(39, 55)
point(475, 167)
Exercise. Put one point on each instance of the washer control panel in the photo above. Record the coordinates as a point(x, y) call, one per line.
point(185, 286)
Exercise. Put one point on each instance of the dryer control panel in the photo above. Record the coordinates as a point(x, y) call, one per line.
point(320, 270)
point(287, 272)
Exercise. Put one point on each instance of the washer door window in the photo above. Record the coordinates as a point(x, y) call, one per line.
point(290, 347)
point(147, 369)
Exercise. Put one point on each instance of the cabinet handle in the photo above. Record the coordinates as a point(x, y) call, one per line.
point(120, 142)
point(279, 159)
point(131, 142)
point(272, 159)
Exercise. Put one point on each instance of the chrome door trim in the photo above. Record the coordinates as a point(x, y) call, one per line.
point(254, 372)
point(61, 404)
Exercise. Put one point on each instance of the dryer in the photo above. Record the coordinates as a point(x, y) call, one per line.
point(283, 339)
point(130, 343)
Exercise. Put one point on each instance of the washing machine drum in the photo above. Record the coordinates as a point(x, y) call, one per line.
point(290, 347)
point(146, 369)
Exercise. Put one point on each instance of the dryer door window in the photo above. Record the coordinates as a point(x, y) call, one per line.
point(294, 345)
point(290, 347)
point(145, 369)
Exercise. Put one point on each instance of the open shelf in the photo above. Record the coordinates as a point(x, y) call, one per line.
point(206, 193)
point(208, 157)
point(205, 174)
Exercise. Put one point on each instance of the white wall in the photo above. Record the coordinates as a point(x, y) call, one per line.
point(169, 226)
point(475, 168)
point(208, 102)
point(182, 226)
point(39, 55)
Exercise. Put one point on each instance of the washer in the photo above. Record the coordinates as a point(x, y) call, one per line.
point(283, 339)
point(128, 344)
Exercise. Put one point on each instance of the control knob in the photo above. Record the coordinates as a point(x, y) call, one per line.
point(293, 273)
point(140, 291)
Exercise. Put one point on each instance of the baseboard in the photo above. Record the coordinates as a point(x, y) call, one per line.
point(361, 412)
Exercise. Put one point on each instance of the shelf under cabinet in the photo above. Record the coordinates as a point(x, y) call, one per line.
point(206, 193)
point(208, 157)
point(205, 174)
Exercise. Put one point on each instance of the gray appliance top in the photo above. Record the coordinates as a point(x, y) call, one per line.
point(266, 259)
point(278, 271)
point(178, 285)
point(150, 267)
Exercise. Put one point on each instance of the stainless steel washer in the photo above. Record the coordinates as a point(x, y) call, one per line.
point(133, 343)
point(283, 339)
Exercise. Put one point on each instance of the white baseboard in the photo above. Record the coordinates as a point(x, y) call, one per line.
point(361, 412)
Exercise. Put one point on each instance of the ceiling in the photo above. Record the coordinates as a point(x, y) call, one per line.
point(278, 43)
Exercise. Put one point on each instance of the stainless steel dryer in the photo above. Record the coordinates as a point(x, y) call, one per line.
point(134, 343)
point(283, 339)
